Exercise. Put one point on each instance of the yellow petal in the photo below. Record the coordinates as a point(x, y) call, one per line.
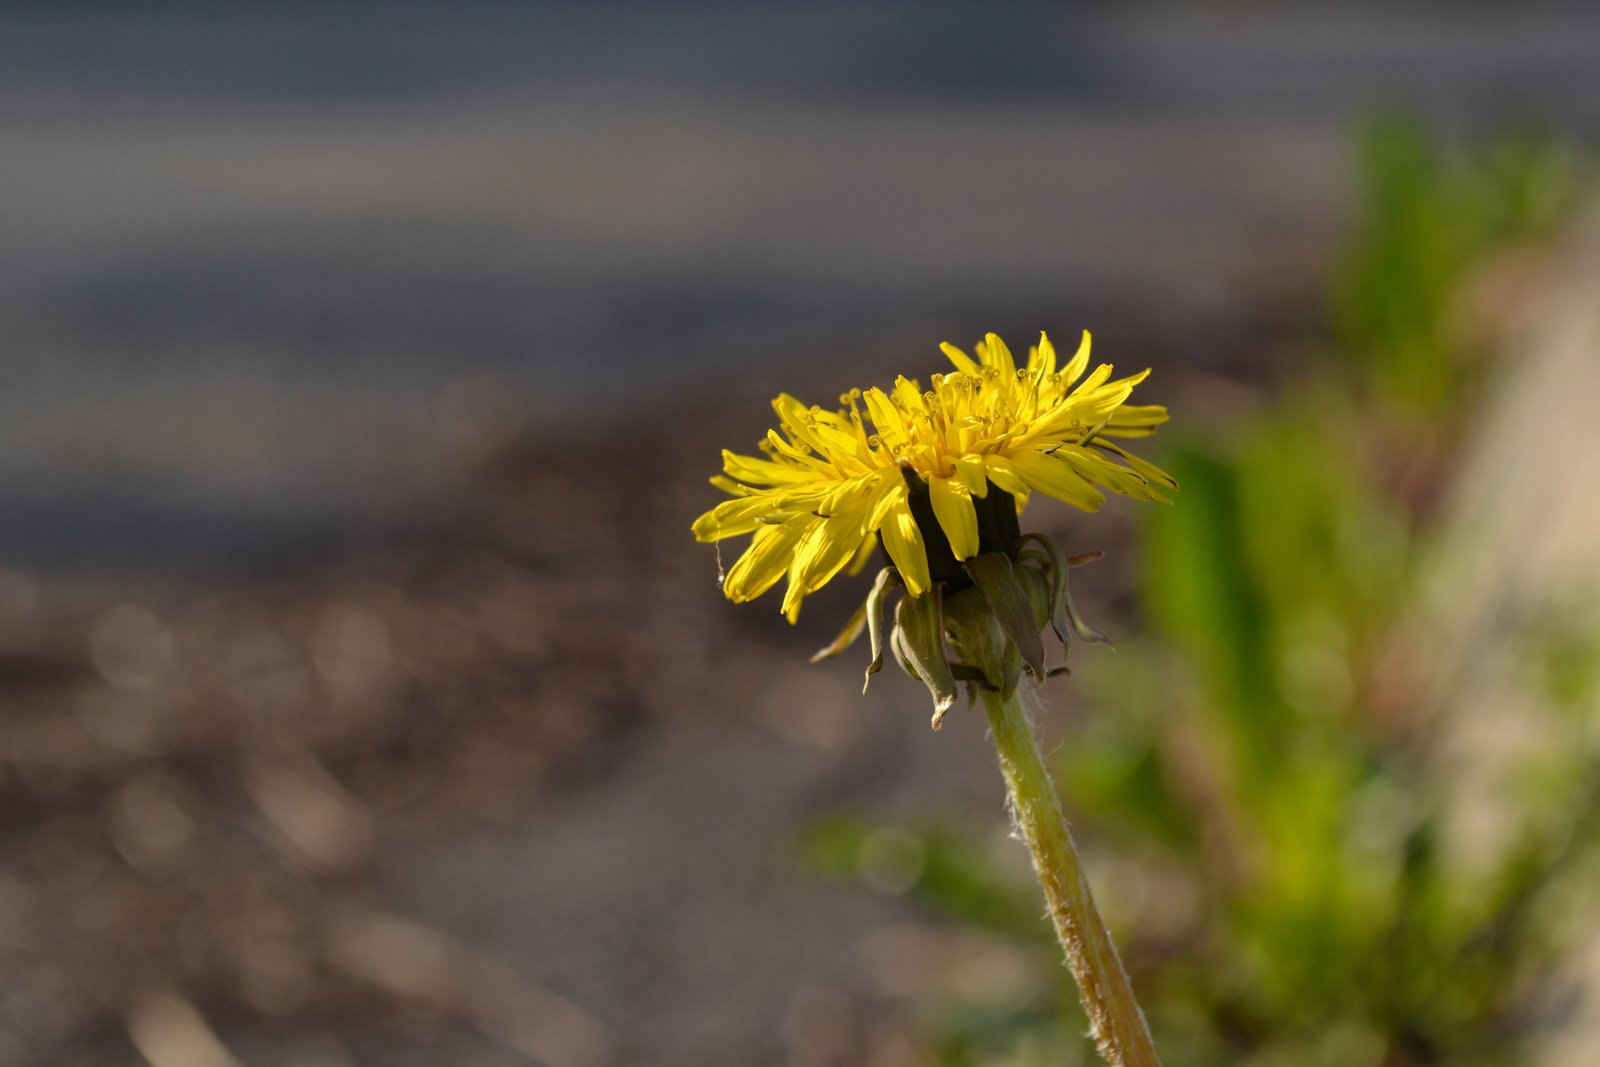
point(733, 517)
point(890, 492)
point(1098, 405)
point(1003, 473)
point(1145, 469)
point(952, 506)
point(907, 397)
point(821, 553)
point(1095, 380)
point(1079, 361)
point(963, 362)
point(783, 447)
point(1042, 360)
point(766, 560)
point(801, 425)
point(886, 418)
point(1097, 468)
point(1090, 405)
point(849, 495)
point(762, 471)
point(998, 356)
point(864, 553)
point(970, 470)
point(1135, 420)
point(1055, 477)
point(903, 541)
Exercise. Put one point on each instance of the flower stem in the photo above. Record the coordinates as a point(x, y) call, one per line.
point(1115, 1020)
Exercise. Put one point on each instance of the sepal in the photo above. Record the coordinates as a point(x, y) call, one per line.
point(1005, 592)
point(919, 622)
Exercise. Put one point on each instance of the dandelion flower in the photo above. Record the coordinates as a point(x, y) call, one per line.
point(935, 476)
point(937, 479)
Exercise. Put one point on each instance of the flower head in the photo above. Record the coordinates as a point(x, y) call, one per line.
point(936, 476)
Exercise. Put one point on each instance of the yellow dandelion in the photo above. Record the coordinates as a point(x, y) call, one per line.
point(935, 476)
point(937, 479)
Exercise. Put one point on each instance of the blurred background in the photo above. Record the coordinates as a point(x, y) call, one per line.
point(364, 699)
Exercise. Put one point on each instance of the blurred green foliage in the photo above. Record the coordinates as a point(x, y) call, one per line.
point(943, 868)
point(1426, 219)
point(1269, 754)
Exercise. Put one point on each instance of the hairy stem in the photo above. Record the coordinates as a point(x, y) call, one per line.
point(1115, 1020)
